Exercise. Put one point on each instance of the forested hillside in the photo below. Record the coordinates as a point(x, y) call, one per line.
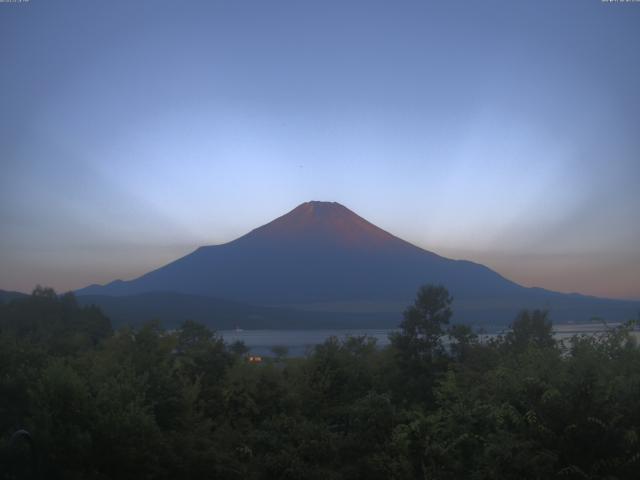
point(89, 402)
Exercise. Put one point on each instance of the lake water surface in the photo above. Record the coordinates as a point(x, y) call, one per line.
point(299, 342)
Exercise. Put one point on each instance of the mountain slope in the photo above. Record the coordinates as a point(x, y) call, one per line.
point(318, 252)
point(322, 256)
point(174, 308)
point(6, 296)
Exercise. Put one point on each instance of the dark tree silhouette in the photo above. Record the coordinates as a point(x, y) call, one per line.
point(423, 325)
point(531, 329)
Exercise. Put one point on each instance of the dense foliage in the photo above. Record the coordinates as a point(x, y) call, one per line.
point(438, 403)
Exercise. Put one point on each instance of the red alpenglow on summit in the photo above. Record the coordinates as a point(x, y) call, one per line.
point(328, 221)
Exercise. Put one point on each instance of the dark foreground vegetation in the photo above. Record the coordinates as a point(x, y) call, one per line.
point(147, 403)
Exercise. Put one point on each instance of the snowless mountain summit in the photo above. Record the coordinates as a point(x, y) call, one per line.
point(323, 255)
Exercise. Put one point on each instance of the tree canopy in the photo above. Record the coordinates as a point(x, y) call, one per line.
point(437, 403)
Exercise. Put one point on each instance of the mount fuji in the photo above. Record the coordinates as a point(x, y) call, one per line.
point(323, 258)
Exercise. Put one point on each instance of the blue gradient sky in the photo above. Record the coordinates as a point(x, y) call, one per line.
point(503, 132)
